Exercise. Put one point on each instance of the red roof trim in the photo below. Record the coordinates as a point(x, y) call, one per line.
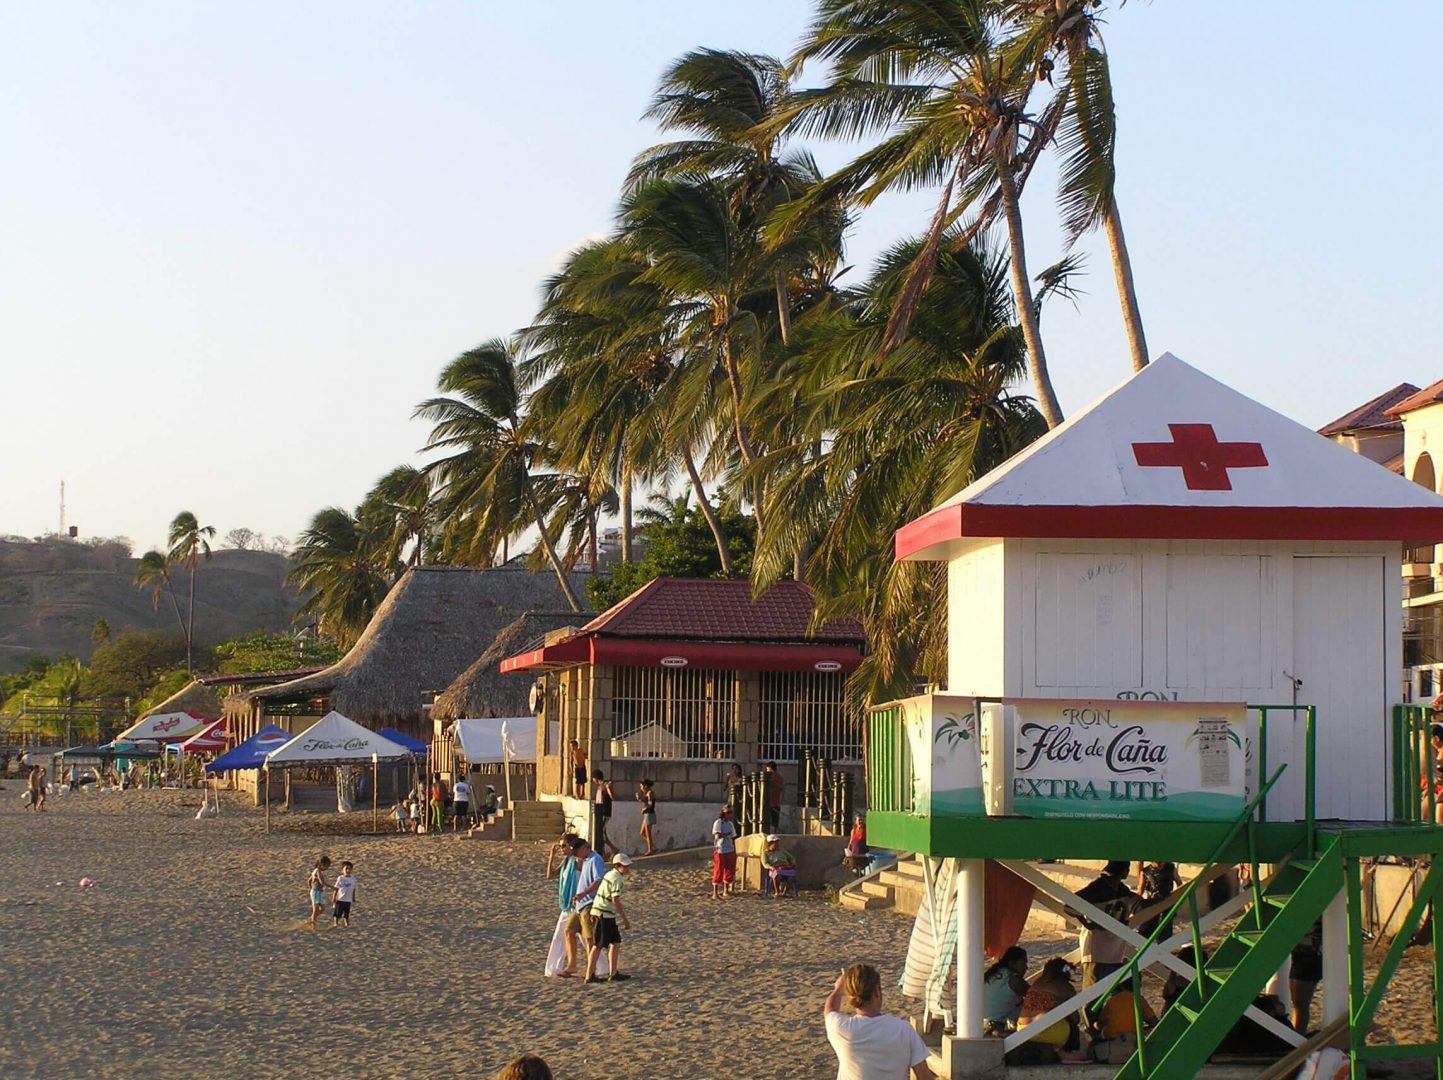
point(729, 655)
point(1429, 395)
point(1410, 524)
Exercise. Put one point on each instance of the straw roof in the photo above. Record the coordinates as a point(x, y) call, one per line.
point(193, 697)
point(481, 690)
point(425, 634)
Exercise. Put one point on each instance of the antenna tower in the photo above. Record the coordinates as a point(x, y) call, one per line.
point(62, 508)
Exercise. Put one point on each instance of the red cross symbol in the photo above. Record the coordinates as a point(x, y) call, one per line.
point(1203, 460)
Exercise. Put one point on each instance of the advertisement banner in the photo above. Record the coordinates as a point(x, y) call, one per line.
point(946, 763)
point(1139, 760)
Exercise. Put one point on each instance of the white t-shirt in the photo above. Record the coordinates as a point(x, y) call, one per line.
point(874, 1047)
point(461, 792)
point(345, 887)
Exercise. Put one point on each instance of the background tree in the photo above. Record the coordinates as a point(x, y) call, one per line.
point(489, 459)
point(153, 572)
point(243, 539)
point(335, 568)
point(189, 543)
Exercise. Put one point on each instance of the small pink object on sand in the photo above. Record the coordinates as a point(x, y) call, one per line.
point(87, 883)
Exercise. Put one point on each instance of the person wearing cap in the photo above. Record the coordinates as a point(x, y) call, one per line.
point(724, 854)
point(779, 867)
point(608, 910)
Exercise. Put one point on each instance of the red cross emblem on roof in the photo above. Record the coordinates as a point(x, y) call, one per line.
point(1203, 460)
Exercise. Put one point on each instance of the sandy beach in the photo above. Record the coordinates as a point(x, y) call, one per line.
point(192, 957)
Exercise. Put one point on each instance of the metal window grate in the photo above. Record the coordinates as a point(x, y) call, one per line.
point(808, 710)
point(674, 713)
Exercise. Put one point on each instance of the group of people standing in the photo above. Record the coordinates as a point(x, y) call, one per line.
point(591, 914)
point(427, 807)
point(341, 891)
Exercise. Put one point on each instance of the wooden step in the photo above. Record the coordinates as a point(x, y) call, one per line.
point(855, 901)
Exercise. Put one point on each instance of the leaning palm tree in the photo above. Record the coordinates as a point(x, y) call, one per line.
point(189, 543)
point(489, 459)
point(1066, 31)
point(900, 432)
point(932, 79)
point(335, 569)
point(153, 572)
point(399, 513)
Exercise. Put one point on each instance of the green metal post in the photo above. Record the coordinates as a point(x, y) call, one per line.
point(1257, 886)
point(1426, 740)
point(1137, 1021)
point(1356, 991)
point(1438, 987)
point(1198, 958)
point(1310, 780)
point(1396, 771)
point(1262, 755)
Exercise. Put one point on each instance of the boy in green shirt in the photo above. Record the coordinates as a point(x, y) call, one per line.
point(607, 909)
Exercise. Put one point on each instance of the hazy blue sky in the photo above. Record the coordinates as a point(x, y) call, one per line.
point(238, 241)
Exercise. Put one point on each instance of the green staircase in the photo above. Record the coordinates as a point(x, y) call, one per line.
point(1234, 974)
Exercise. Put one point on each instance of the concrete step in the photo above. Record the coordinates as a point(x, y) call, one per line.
point(911, 866)
point(899, 879)
point(861, 902)
point(876, 888)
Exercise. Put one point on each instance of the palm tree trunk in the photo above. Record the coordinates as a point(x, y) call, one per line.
point(592, 548)
point(1022, 294)
point(1126, 291)
point(713, 522)
point(625, 515)
point(734, 380)
point(550, 551)
point(174, 603)
point(190, 618)
point(784, 305)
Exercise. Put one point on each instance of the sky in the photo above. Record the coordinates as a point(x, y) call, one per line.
point(239, 242)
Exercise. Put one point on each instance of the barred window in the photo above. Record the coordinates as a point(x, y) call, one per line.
point(807, 710)
point(674, 713)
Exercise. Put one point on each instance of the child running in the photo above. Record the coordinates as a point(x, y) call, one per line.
point(345, 893)
point(316, 886)
point(607, 909)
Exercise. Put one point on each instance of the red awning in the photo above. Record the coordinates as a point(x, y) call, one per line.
point(727, 655)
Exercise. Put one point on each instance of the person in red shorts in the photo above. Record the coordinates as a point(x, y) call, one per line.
point(723, 855)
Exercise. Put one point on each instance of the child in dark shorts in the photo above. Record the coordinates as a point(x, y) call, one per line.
point(606, 910)
point(345, 892)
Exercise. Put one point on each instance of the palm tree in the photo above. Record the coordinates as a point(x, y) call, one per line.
point(399, 514)
point(1087, 134)
point(604, 355)
point(931, 77)
point(153, 572)
point(490, 460)
point(900, 432)
point(334, 565)
point(189, 543)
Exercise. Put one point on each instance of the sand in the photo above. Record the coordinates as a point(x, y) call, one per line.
point(192, 956)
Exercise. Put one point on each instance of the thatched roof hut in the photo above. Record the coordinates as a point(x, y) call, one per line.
point(427, 631)
point(481, 690)
point(193, 697)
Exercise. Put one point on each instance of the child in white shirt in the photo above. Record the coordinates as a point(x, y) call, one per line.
point(345, 892)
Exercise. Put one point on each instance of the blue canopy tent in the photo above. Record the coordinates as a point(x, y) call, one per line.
point(416, 746)
point(250, 754)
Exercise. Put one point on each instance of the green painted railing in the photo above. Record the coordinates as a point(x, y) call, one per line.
point(1415, 769)
point(1132, 970)
point(1310, 763)
point(889, 761)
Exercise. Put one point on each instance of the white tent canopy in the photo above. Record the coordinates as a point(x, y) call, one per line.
point(163, 727)
point(336, 740)
point(496, 740)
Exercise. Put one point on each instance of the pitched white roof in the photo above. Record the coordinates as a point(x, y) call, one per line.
point(336, 740)
point(163, 727)
point(1173, 453)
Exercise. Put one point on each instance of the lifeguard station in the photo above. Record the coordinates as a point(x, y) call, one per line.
point(1174, 633)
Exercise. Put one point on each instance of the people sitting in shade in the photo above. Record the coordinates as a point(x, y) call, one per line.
point(1047, 992)
point(489, 805)
point(779, 869)
point(1003, 988)
point(1116, 1033)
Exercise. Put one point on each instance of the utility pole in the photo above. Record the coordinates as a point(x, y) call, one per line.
point(62, 508)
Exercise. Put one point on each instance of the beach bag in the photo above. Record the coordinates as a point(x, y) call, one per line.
point(556, 957)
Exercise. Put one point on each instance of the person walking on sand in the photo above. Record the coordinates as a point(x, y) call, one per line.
point(561, 863)
point(871, 1045)
point(724, 854)
point(608, 911)
point(317, 886)
point(32, 783)
point(647, 797)
point(345, 892)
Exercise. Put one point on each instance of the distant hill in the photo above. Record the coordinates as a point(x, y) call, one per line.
point(53, 592)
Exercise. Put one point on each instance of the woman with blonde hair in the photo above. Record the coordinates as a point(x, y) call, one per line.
point(870, 1045)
